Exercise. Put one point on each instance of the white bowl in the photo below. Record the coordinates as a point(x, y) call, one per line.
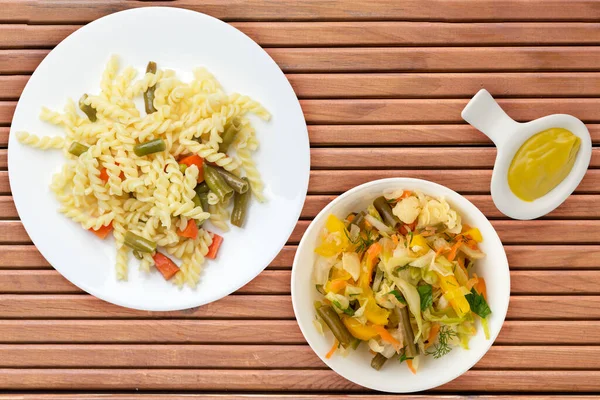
point(181, 40)
point(395, 377)
point(508, 135)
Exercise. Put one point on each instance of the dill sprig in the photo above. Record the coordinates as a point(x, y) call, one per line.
point(442, 347)
point(362, 242)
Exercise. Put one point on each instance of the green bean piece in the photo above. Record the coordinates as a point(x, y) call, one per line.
point(238, 184)
point(137, 255)
point(204, 201)
point(407, 333)
point(217, 184)
point(333, 321)
point(378, 361)
point(153, 146)
point(240, 207)
point(394, 318)
point(229, 135)
point(87, 109)
point(384, 209)
point(356, 343)
point(182, 168)
point(202, 188)
point(149, 93)
point(139, 243)
point(197, 202)
point(77, 149)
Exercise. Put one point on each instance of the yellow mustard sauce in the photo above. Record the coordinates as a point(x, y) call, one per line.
point(542, 162)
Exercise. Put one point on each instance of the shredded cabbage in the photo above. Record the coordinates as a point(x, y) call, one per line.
point(321, 269)
point(377, 224)
point(351, 263)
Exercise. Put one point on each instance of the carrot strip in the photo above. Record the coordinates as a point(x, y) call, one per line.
point(454, 250)
point(214, 247)
point(103, 231)
point(164, 265)
point(405, 194)
point(480, 287)
point(190, 231)
point(410, 366)
point(333, 349)
point(395, 240)
point(104, 175)
point(433, 333)
point(386, 336)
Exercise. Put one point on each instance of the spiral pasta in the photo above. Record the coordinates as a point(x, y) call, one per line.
point(107, 186)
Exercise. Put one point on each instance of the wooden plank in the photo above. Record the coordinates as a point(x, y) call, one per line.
point(385, 157)
point(4, 136)
point(395, 111)
point(56, 11)
point(519, 257)
point(403, 135)
point(302, 34)
point(279, 380)
point(163, 331)
point(391, 59)
point(259, 307)
point(278, 282)
point(189, 396)
point(7, 109)
point(413, 85)
point(261, 356)
point(463, 181)
point(85, 306)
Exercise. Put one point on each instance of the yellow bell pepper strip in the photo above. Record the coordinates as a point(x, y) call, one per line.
point(358, 330)
point(338, 281)
point(374, 314)
point(337, 239)
point(387, 337)
point(419, 240)
point(474, 234)
point(452, 292)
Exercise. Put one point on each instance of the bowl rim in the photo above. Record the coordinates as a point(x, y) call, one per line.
point(304, 327)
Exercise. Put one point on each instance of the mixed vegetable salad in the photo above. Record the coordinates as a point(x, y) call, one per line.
point(399, 277)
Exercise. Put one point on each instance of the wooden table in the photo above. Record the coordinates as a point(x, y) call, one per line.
point(382, 85)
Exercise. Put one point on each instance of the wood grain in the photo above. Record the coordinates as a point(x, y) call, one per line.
point(279, 380)
point(302, 34)
point(257, 331)
point(188, 396)
point(278, 282)
point(261, 356)
point(399, 59)
point(53, 11)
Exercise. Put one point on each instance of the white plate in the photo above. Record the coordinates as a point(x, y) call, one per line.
point(395, 377)
point(180, 40)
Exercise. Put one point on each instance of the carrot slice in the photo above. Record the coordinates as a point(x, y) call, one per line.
point(433, 333)
point(190, 231)
point(104, 175)
point(164, 265)
point(214, 247)
point(480, 287)
point(333, 349)
point(197, 161)
point(386, 336)
point(454, 249)
point(103, 231)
